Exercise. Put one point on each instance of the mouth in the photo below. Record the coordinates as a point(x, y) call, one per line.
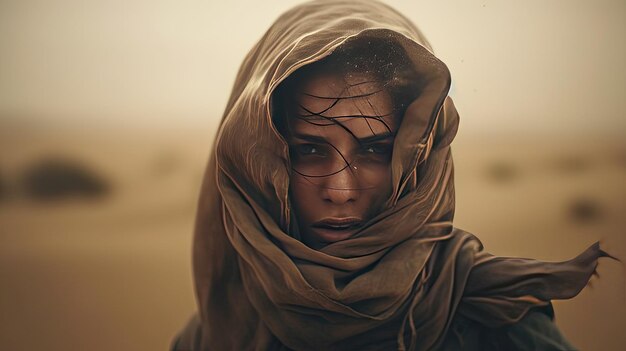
point(330, 230)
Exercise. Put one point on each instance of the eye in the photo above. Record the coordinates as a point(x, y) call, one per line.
point(371, 149)
point(308, 150)
point(377, 149)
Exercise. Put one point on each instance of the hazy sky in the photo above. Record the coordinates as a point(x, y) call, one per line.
point(516, 65)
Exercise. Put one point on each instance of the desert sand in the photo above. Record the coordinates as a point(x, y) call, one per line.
point(114, 273)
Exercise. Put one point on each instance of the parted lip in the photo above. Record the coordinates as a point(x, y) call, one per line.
point(336, 223)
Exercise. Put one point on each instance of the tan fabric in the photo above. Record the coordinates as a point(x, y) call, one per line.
point(401, 280)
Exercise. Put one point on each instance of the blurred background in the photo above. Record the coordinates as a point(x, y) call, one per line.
point(108, 110)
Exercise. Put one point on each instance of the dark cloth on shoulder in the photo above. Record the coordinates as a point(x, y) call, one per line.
point(536, 332)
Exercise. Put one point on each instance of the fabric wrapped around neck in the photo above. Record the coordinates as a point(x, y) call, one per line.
point(401, 280)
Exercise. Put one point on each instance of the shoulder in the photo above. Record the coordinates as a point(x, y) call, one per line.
point(536, 331)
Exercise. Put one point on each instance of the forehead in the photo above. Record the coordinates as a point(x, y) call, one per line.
point(357, 102)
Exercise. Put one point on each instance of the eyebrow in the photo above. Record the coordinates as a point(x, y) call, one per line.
point(364, 140)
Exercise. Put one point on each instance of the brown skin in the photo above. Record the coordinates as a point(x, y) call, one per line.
point(338, 181)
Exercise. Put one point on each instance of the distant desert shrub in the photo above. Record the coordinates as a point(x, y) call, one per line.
point(501, 172)
point(584, 209)
point(59, 178)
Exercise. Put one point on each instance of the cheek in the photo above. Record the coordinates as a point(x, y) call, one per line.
point(302, 196)
point(375, 175)
point(380, 188)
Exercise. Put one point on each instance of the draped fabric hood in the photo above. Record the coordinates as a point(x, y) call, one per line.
point(399, 282)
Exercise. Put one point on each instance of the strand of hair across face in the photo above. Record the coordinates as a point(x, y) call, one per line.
point(335, 120)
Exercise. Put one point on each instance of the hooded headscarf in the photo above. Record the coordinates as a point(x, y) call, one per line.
point(401, 281)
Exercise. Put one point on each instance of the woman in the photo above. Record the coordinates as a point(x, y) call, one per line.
point(325, 217)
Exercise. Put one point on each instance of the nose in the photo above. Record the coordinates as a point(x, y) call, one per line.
point(341, 188)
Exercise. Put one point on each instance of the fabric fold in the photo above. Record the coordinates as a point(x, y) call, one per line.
point(401, 281)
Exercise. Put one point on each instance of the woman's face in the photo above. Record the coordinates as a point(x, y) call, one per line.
point(340, 132)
